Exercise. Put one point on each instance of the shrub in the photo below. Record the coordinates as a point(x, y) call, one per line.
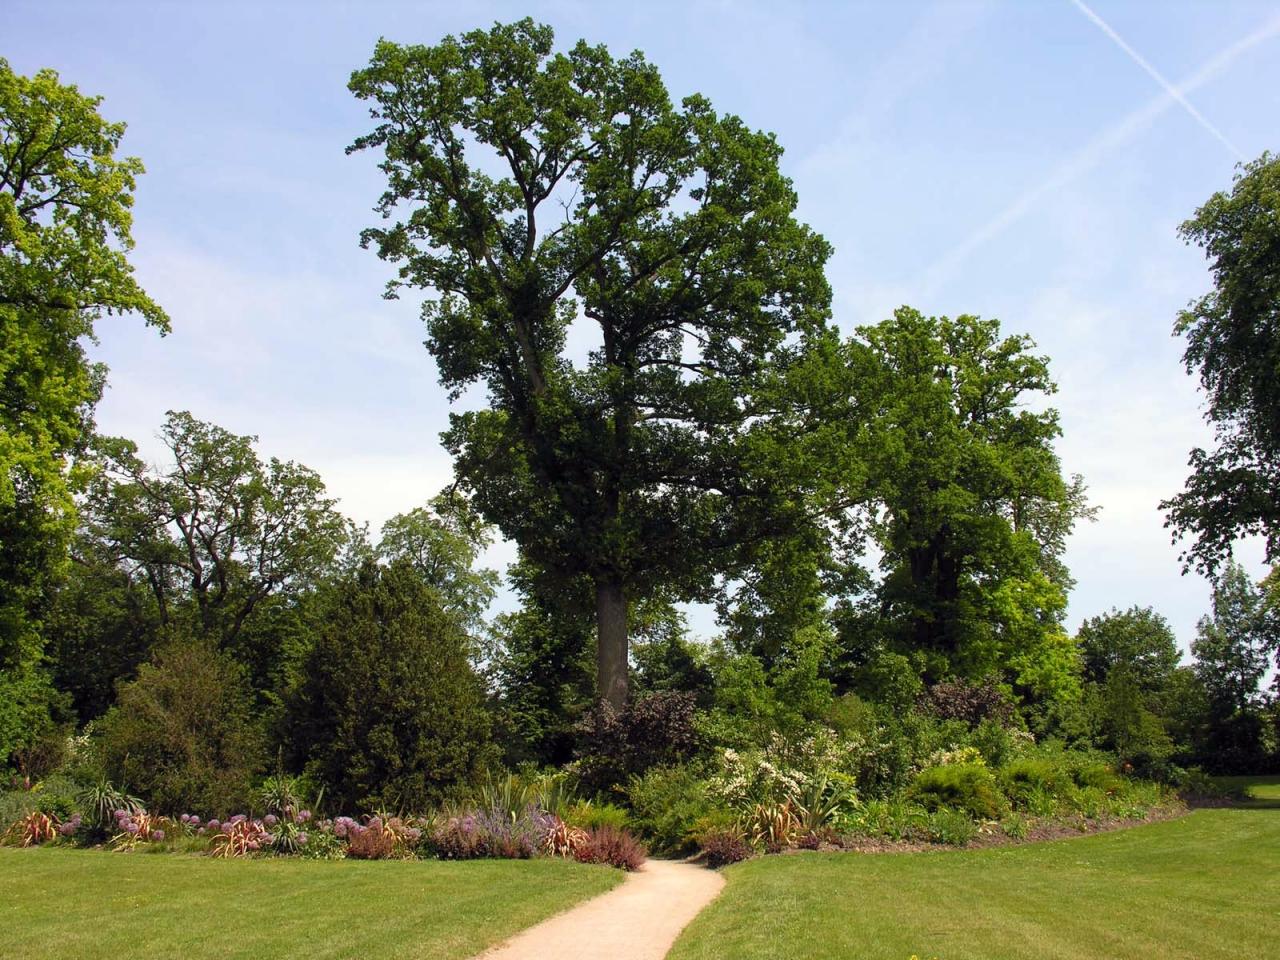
point(1022, 778)
point(616, 848)
point(1099, 776)
point(459, 838)
point(1015, 826)
point(562, 839)
point(588, 815)
point(654, 730)
point(381, 838)
point(772, 826)
point(239, 837)
point(722, 846)
point(954, 827)
point(32, 830)
point(666, 804)
point(57, 795)
point(182, 734)
point(894, 819)
point(389, 712)
point(969, 702)
point(964, 786)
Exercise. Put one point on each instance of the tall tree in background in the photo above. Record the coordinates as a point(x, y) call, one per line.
point(536, 189)
point(217, 532)
point(1233, 344)
point(1231, 651)
point(65, 225)
point(973, 510)
point(442, 541)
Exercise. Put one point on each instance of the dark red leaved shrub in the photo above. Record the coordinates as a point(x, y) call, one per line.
point(724, 845)
point(970, 702)
point(609, 845)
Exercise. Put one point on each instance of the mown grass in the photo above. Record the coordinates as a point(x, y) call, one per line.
point(1203, 886)
point(1262, 793)
point(92, 904)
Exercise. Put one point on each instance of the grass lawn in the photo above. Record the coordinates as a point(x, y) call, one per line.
point(1264, 792)
point(1203, 886)
point(92, 904)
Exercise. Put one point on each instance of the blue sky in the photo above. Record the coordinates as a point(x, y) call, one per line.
point(1010, 159)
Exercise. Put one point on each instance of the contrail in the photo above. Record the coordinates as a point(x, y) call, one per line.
point(1158, 77)
point(1093, 153)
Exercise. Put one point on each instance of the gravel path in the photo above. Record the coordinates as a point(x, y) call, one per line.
point(637, 920)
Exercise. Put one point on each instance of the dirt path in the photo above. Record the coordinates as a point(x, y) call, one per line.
point(637, 920)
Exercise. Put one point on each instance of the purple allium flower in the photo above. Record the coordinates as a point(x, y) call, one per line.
point(214, 824)
point(270, 820)
point(302, 816)
point(302, 838)
point(157, 834)
point(228, 827)
point(238, 818)
point(131, 827)
point(67, 829)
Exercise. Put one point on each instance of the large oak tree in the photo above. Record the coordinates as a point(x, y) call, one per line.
point(531, 191)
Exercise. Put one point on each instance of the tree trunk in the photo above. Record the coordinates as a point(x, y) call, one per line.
point(611, 643)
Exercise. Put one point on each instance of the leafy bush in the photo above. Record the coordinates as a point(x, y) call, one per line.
point(182, 734)
point(1098, 776)
point(722, 846)
point(1024, 778)
point(963, 786)
point(1015, 826)
point(954, 827)
point(654, 730)
point(894, 819)
point(969, 702)
point(389, 713)
point(666, 805)
point(588, 815)
point(616, 848)
point(57, 795)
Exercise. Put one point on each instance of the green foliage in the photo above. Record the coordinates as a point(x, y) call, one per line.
point(65, 226)
point(964, 786)
point(589, 815)
point(1138, 640)
point(975, 508)
point(100, 627)
point(182, 734)
point(544, 668)
point(953, 827)
point(671, 229)
point(218, 531)
point(1233, 344)
point(1231, 651)
point(667, 804)
point(389, 713)
point(443, 542)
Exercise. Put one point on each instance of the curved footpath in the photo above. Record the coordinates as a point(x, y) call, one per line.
point(637, 920)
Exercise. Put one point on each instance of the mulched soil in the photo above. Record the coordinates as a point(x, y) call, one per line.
point(990, 835)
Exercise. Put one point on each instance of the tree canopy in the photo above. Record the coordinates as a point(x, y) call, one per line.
point(1233, 345)
point(537, 191)
point(65, 223)
point(971, 508)
point(217, 531)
